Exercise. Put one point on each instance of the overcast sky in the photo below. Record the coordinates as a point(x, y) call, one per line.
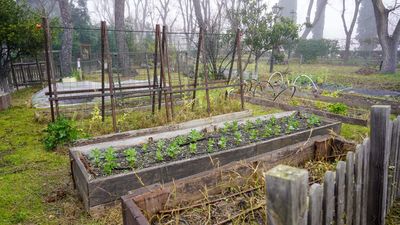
point(333, 22)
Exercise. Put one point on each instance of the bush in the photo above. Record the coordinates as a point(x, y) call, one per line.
point(312, 49)
point(60, 132)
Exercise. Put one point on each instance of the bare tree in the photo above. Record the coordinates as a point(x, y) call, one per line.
point(46, 7)
point(66, 47)
point(289, 9)
point(186, 11)
point(123, 57)
point(317, 26)
point(389, 42)
point(104, 10)
point(348, 30)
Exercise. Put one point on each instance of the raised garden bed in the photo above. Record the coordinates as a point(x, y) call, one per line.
point(232, 194)
point(105, 171)
point(306, 107)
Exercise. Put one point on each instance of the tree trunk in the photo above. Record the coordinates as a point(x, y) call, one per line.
point(319, 24)
point(66, 47)
point(346, 53)
point(389, 54)
point(123, 57)
point(389, 43)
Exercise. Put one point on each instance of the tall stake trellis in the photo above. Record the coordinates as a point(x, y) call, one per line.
point(160, 90)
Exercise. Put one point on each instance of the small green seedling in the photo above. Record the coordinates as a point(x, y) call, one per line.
point(222, 142)
point(195, 135)
point(338, 108)
point(210, 145)
point(173, 150)
point(159, 155)
point(180, 140)
point(110, 161)
point(226, 128)
point(160, 145)
point(193, 148)
point(259, 122)
point(145, 146)
point(253, 134)
point(237, 136)
point(313, 121)
point(235, 126)
point(277, 130)
point(268, 132)
point(292, 124)
point(272, 120)
point(248, 126)
point(95, 154)
point(130, 156)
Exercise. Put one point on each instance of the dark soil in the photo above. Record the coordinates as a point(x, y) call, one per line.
point(248, 132)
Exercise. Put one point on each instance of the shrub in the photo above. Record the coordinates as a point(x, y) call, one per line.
point(60, 132)
point(312, 49)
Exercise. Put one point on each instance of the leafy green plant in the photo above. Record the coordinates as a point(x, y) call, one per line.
point(237, 136)
point(110, 161)
point(226, 128)
point(294, 102)
point(253, 134)
point(272, 121)
point(222, 142)
point(145, 146)
point(173, 149)
point(313, 120)
point(195, 135)
point(338, 108)
point(259, 122)
point(320, 105)
point(130, 156)
point(160, 145)
point(248, 126)
point(193, 148)
point(268, 132)
point(159, 155)
point(60, 132)
point(180, 140)
point(235, 126)
point(95, 154)
point(277, 129)
point(292, 124)
point(210, 145)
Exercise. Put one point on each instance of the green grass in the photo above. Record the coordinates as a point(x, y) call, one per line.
point(354, 132)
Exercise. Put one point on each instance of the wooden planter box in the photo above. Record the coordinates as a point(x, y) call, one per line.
point(155, 198)
point(283, 106)
point(96, 192)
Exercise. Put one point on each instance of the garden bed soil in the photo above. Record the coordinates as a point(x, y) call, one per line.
point(100, 190)
point(233, 191)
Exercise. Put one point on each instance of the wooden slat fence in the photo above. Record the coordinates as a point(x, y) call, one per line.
point(361, 191)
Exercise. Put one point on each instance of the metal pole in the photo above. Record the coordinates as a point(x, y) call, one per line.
point(103, 36)
point(239, 66)
point(196, 71)
point(45, 25)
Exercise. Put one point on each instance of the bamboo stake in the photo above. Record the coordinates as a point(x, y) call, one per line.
point(165, 47)
point(196, 71)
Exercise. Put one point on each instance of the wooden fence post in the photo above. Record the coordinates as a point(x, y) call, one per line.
point(155, 78)
point(365, 181)
point(329, 198)
point(358, 174)
point(349, 187)
point(315, 205)
point(378, 165)
point(340, 192)
point(239, 66)
point(393, 163)
point(287, 189)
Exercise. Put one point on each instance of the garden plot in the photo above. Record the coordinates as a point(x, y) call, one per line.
point(232, 195)
point(105, 171)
